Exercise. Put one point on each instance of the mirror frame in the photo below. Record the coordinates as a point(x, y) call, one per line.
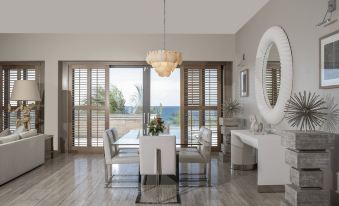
point(274, 35)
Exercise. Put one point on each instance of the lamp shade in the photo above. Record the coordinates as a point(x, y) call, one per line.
point(25, 90)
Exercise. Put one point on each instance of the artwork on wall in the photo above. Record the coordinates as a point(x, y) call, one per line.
point(329, 61)
point(244, 83)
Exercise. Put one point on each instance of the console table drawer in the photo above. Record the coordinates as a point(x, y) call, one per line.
point(307, 160)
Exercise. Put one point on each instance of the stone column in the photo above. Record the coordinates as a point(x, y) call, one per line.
point(307, 154)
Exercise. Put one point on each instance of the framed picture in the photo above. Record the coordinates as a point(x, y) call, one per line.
point(244, 83)
point(329, 61)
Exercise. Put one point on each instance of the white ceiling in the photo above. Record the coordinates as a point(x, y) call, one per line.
point(126, 16)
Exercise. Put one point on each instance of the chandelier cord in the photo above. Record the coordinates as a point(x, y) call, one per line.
point(164, 37)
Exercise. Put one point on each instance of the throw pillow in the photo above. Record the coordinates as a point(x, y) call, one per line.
point(20, 129)
point(30, 133)
point(9, 138)
point(6, 132)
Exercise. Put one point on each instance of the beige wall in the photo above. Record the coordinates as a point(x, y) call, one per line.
point(298, 19)
point(52, 48)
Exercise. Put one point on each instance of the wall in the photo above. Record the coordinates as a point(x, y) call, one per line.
point(298, 19)
point(52, 48)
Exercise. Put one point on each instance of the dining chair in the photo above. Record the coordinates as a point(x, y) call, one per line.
point(201, 156)
point(113, 134)
point(113, 156)
point(158, 157)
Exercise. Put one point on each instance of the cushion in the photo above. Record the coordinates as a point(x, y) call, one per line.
point(20, 129)
point(30, 133)
point(9, 138)
point(6, 132)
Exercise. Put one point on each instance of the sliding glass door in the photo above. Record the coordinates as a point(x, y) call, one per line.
point(165, 100)
point(127, 97)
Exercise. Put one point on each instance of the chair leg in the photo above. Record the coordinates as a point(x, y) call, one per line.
point(209, 174)
point(106, 174)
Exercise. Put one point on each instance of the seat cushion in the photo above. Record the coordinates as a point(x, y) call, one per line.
point(125, 158)
point(191, 157)
point(188, 149)
point(9, 138)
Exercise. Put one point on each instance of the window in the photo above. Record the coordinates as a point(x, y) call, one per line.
point(202, 94)
point(88, 104)
point(10, 73)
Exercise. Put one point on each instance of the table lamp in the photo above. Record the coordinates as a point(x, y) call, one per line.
point(24, 90)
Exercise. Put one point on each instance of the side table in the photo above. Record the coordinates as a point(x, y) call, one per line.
point(49, 145)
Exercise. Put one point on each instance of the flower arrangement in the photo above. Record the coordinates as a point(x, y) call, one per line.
point(156, 126)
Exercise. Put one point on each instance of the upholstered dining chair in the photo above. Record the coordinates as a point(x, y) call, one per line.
point(113, 134)
point(113, 156)
point(202, 155)
point(158, 157)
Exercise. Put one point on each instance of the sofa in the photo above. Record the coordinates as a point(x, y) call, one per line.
point(20, 156)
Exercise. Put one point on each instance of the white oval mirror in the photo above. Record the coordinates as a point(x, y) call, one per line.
point(273, 74)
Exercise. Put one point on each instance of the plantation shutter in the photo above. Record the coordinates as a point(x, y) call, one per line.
point(89, 106)
point(272, 82)
point(10, 73)
point(202, 100)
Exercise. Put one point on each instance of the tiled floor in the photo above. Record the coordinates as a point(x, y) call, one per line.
point(79, 180)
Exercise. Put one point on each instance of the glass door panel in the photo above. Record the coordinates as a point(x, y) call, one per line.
point(165, 100)
point(126, 96)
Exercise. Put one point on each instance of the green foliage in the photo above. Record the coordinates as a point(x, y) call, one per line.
point(116, 99)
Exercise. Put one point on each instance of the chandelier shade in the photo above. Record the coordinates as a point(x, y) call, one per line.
point(164, 62)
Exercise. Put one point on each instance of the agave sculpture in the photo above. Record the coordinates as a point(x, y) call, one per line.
point(305, 111)
point(231, 108)
point(332, 115)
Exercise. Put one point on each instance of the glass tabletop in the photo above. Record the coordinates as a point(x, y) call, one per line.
point(132, 138)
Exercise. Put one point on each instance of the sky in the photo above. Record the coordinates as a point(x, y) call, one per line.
point(165, 90)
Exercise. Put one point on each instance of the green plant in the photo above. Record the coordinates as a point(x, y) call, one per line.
point(116, 99)
point(156, 126)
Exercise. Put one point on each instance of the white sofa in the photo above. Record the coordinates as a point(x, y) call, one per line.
point(21, 156)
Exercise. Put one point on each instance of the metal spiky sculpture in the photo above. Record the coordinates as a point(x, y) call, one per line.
point(305, 111)
point(231, 107)
point(332, 115)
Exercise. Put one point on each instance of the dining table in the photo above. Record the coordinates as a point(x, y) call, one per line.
point(131, 140)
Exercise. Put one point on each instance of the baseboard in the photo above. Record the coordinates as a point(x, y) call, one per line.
point(271, 188)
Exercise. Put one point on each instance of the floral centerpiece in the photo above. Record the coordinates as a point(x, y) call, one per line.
point(156, 126)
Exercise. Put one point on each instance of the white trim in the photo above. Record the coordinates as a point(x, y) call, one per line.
point(275, 35)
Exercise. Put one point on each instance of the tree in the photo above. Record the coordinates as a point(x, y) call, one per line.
point(137, 99)
point(116, 99)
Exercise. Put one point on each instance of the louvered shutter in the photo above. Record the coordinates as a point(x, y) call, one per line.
point(88, 105)
point(202, 99)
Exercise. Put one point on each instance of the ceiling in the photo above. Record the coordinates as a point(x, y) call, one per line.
point(126, 16)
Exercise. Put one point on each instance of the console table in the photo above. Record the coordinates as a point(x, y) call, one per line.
point(265, 151)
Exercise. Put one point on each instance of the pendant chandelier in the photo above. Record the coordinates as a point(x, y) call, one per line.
point(164, 61)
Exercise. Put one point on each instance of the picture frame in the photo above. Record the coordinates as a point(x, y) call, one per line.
point(329, 61)
point(244, 83)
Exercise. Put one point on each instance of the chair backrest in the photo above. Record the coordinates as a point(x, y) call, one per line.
point(157, 155)
point(109, 149)
point(206, 141)
point(206, 134)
